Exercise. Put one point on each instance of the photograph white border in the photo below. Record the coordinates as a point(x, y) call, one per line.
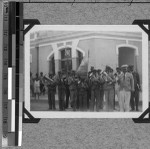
point(72, 114)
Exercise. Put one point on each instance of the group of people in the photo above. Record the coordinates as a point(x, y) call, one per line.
point(86, 93)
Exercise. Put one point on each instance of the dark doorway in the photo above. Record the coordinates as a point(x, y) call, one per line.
point(126, 56)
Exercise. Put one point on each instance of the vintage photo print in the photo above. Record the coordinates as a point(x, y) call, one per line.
point(86, 71)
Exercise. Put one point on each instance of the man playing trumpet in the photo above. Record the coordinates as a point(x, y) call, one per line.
point(61, 80)
point(109, 88)
point(95, 81)
point(51, 84)
point(73, 82)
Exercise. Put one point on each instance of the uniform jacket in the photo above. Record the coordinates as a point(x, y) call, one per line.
point(82, 86)
point(126, 81)
point(136, 80)
point(95, 83)
point(109, 82)
point(72, 83)
point(59, 81)
point(51, 87)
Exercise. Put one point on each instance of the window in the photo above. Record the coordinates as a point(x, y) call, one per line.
point(66, 59)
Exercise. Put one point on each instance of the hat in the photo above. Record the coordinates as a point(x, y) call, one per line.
point(94, 70)
point(130, 66)
point(92, 67)
point(124, 66)
point(111, 70)
point(73, 71)
point(99, 70)
point(108, 68)
point(59, 72)
point(118, 68)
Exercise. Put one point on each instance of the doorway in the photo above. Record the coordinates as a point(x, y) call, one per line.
point(126, 56)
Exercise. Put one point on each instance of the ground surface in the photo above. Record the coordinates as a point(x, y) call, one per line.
point(42, 104)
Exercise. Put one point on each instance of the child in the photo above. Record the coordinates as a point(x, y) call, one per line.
point(37, 86)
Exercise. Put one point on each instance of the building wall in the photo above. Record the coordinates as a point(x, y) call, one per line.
point(33, 64)
point(102, 52)
point(44, 52)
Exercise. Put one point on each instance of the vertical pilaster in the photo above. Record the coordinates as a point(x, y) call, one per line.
point(56, 58)
point(74, 54)
point(37, 48)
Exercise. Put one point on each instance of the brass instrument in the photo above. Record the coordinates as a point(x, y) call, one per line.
point(107, 78)
point(50, 81)
point(79, 81)
point(92, 76)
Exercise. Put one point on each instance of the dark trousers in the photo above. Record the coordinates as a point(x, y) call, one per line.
point(32, 90)
point(88, 98)
point(101, 99)
point(109, 97)
point(67, 97)
point(78, 103)
point(51, 99)
point(95, 99)
point(42, 88)
point(61, 97)
point(73, 97)
point(134, 100)
point(83, 101)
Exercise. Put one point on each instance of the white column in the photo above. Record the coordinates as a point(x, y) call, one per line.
point(56, 57)
point(74, 54)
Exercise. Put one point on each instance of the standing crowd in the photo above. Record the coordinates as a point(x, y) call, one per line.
point(86, 93)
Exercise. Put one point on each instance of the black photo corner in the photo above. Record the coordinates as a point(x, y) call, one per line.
point(30, 119)
point(141, 24)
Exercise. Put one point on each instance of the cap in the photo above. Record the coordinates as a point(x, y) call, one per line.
point(124, 66)
point(108, 68)
point(118, 68)
point(99, 70)
point(130, 66)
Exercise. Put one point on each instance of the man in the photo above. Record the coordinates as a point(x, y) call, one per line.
point(117, 92)
point(72, 81)
point(42, 87)
point(89, 87)
point(101, 88)
point(67, 92)
point(126, 85)
point(82, 88)
point(134, 101)
point(51, 92)
point(61, 90)
point(95, 91)
point(109, 88)
point(111, 71)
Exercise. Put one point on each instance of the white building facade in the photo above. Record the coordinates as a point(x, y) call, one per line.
point(54, 51)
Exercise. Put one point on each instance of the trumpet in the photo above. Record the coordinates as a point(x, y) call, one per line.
point(106, 77)
point(79, 81)
point(48, 79)
point(92, 76)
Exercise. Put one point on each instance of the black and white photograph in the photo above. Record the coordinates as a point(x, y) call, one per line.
point(86, 71)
